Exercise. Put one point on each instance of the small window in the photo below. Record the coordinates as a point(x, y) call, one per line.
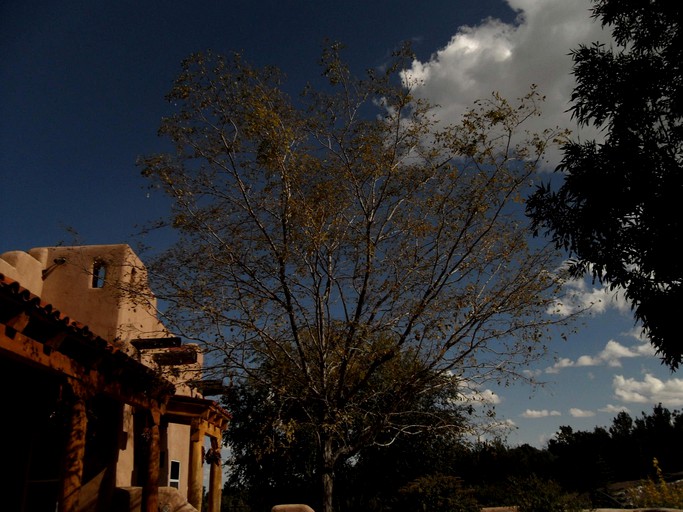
point(99, 274)
point(174, 474)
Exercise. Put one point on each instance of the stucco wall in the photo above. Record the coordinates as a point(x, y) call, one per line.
point(119, 308)
point(123, 308)
point(126, 464)
point(178, 442)
point(24, 268)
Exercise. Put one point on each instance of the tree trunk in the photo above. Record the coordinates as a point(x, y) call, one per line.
point(327, 475)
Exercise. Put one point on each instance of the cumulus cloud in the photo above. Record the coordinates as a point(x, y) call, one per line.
point(532, 373)
point(614, 409)
point(485, 396)
point(580, 413)
point(649, 390)
point(610, 356)
point(645, 349)
point(508, 58)
point(490, 397)
point(582, 295)
point(531, 413)
point(501, 426)
point(559, 365)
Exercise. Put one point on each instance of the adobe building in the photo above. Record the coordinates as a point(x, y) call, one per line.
point(103, 401)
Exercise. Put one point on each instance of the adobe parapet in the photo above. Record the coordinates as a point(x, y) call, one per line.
point(102, 286)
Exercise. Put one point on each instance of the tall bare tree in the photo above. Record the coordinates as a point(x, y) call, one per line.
point(345, 250)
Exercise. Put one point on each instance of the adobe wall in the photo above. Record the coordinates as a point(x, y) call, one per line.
point(101, 286)
point(178, 441)
point(104, 287)
point(24, 268)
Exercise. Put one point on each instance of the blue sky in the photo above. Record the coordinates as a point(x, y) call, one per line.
point(82, 87)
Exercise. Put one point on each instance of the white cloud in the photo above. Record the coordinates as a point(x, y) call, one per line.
point(610, 356)
point(490, 397)
point(645, 348)
point(500, 426)
point(650, 390)
point(485, 396)
point(565, 362)
point(580, 413)
point(530, 413)
point(637, 333)
point(614, 409)
point(542, 440)
point(508, 58)
point(582, 295)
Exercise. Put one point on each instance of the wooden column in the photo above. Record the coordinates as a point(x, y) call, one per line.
point(215, 476)
point(195, 476)
point(150, 491)
point(74, 453)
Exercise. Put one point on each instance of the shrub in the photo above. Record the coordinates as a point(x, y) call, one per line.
point(532, 494)
point(436, 493)
point(657, 493)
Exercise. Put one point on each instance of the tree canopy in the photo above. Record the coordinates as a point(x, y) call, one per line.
point(343, 255)
point(616, 210)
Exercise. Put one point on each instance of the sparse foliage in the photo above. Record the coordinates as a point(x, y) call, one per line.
point(344, 255)
point(657, 492)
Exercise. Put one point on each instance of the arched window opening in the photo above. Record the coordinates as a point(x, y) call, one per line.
point(99, 274)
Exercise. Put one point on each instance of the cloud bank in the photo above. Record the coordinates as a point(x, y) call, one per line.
point(580, 413)
point(582, 295)
point(531, 413)
point(610, 356)
point(650, 390)
point(508, 58)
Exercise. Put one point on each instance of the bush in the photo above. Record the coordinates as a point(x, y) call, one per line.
point(657, 493)
point(532, 494)
point(436, 493)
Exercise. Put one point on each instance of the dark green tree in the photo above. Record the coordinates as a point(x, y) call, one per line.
point(581, 458)
point(617, 210)
point(375, 478)
point(585, 460)
point(270, 462)
point(622, 426)
point(274, 454)
point(622, 451)
point(656, 436)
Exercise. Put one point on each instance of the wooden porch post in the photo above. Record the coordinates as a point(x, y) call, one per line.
point(74, 453)
point(195, 476)
point(150, 490)
point(215, 476)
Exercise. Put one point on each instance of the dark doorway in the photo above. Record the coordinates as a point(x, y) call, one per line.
point(34, 425)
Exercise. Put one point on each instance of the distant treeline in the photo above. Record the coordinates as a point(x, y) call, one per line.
point(576, 461)
point(583, 460)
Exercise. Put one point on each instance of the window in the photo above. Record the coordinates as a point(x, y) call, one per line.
point(99, 274)
point(174, 474)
